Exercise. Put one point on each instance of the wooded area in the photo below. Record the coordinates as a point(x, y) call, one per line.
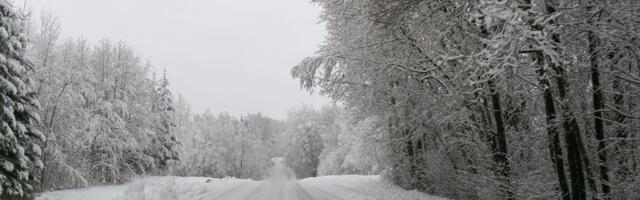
point(465, 99)
point(492, 99)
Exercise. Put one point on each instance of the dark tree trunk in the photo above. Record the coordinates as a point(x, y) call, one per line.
point(553, 136)
point(588, 169)
point(43, 173)
point(598, 102)
point(573, 140)
point(499, 139)
point(500, 143)
point(570, 125)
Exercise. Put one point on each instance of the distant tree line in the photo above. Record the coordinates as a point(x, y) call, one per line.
point(226, 146)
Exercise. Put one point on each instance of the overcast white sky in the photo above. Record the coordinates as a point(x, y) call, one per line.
point(226, 55)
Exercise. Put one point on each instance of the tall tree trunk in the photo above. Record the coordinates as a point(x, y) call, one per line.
point(573, 140)
point(43, 173)
point(409, 151)
point(499, 139)
point(598, 102)
point(570, 125)
point(500, 143)
point(553, 136)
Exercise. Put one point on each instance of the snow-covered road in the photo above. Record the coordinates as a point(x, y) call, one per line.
point(280, 184)
point(199, 188)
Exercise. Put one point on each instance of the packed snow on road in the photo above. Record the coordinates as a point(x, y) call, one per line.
point(280, 184)
point(352, 187)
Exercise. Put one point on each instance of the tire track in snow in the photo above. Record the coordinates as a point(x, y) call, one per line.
point(353, 194)
point(228, 192)
point(255, 191)
point(300, 192)
point(275, 191)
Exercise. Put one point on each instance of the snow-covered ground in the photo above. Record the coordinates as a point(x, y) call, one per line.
point(280, 184)
point(199, 188)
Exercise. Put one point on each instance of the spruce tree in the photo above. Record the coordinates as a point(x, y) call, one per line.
point(19, 150)
point(165, 142)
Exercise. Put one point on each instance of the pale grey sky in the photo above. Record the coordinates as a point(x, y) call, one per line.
point(226, 55)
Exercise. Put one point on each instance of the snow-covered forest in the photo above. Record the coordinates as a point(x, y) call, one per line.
point(462, 99)
point(491, 99)
point(101, 115)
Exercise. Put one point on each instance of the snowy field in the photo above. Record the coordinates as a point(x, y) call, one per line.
point(200, 188)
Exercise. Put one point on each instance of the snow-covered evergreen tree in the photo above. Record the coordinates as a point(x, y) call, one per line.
point(19, 149)
point(165, 146)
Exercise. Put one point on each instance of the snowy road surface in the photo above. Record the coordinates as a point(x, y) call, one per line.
point(197, 188)
point(280, 184)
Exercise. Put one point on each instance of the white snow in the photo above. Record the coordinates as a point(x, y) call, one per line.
point(94, 193)
point(8, 166)
point(351, 187)
point(279, 185)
